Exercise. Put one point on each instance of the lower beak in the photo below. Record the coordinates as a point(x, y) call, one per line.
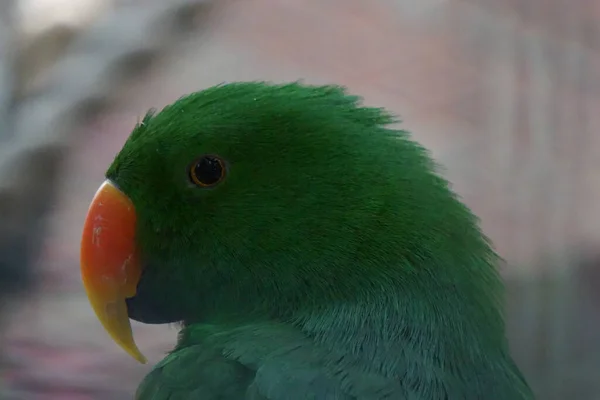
point(110, 266)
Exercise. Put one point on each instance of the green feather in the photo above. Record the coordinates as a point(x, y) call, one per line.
point(333, 261)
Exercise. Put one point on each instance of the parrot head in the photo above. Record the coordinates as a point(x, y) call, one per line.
point(255, 200)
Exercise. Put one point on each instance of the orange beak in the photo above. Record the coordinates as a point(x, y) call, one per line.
point(110, 266)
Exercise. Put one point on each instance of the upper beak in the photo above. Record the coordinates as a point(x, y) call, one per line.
point(110, 266)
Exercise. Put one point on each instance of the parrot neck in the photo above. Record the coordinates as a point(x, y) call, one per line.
point(422, 345)
point(376, 326)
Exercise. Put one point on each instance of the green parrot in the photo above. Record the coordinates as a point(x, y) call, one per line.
point(308, 249)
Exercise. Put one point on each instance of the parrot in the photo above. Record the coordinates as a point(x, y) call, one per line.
point(305, 246)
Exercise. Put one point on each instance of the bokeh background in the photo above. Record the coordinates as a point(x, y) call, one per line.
point(505, 93)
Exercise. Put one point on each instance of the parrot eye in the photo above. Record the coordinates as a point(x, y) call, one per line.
point(207, 171)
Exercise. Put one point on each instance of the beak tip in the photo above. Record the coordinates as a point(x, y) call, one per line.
point(139, 357)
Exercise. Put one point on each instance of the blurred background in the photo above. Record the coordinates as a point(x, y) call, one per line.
point(505, 93)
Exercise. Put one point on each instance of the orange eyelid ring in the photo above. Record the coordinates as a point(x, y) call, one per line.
point(110, 267)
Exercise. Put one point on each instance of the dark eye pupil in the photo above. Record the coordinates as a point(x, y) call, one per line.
point(208, 170)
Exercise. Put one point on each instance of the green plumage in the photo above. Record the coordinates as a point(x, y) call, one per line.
point(332, 262)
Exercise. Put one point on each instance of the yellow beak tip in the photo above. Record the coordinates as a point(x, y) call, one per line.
point(131, 348)
point(139, 357)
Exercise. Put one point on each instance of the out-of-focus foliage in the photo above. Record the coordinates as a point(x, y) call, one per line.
point(53, 82)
